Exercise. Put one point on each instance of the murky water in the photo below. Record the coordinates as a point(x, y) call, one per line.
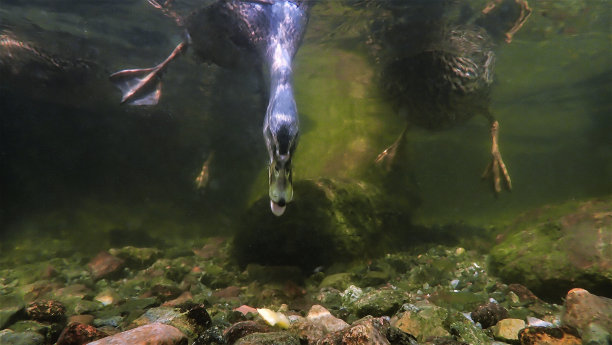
point(74, 163)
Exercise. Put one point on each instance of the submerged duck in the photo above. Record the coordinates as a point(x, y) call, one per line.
point(436, 65)
point(237, 34)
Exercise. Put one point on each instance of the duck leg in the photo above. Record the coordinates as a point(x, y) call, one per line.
point(143, 86)
point(387, 157)
point(496, 168)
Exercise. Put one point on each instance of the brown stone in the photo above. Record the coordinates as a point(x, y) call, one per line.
point(243, 328)
point(104, 265)
point(228, 292)
point(183, 298)
point(548, 336)
point(524, 294)
point(152, 334)
point(84, 319)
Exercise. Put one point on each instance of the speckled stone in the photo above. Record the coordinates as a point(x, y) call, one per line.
point(548, 336)
point(52, 311)
point(77, 334)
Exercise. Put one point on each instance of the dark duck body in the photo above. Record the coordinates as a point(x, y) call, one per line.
point(436, 62)
point(242, 34)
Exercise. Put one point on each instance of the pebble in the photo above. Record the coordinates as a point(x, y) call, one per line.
point(366, 331)
point(319, 315)
point(508, 329)
point(152, 334)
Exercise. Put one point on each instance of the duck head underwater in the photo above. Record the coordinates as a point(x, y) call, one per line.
point(236, 34)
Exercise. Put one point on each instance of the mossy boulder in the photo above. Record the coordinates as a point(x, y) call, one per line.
point(328, 221)
point(554, 249)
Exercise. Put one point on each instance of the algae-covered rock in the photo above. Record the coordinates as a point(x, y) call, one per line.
point(10, 306)
point(8, 337)
point(380, 302)
point(136, 257)
point(423, 320)
point(274, 338)
point(554, 249)
point(328, 221)
point(467, 332)
point(338, 281)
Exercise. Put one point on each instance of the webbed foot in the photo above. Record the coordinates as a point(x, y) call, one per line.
point(166, 9)
point(387, 157)
point(143, 86)
point(496, 168)
point(520, 7)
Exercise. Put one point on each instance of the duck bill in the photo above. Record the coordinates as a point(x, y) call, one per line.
point(281, 189)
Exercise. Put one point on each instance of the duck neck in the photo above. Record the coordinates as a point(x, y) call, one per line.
point(280, 73)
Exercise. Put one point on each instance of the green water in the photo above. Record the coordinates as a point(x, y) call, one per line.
point(86, 169)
